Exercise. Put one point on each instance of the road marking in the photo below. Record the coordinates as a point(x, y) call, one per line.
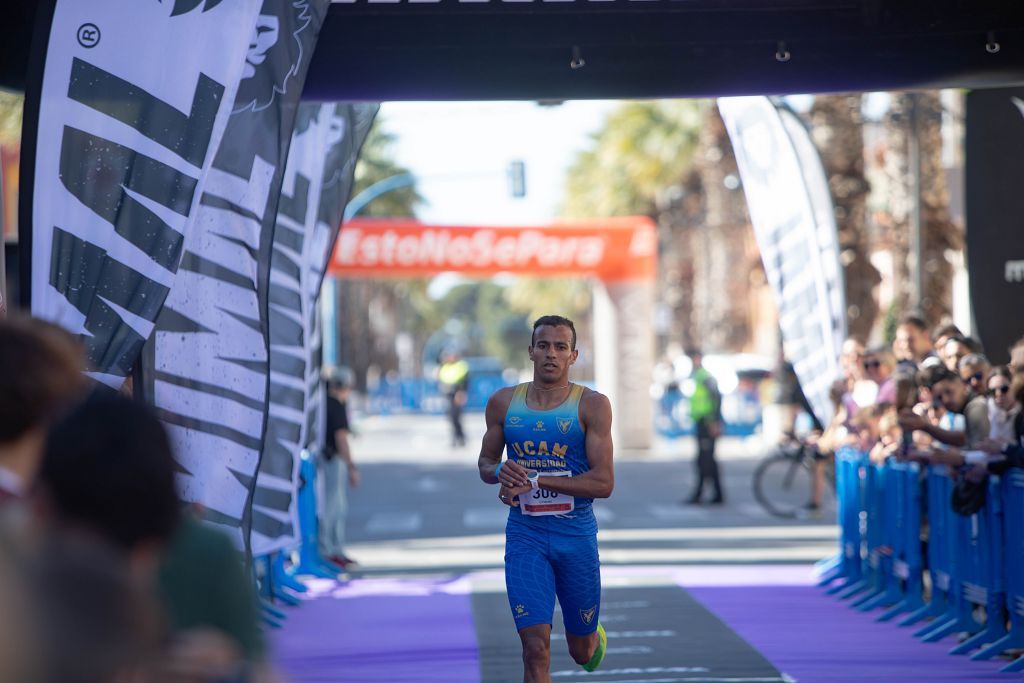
point(667, 633)
point(612, 618)
point(675, 513)
point(490, 517)
point(430, 484)
point(394, 522)
point(634, 650)
point(625, 604)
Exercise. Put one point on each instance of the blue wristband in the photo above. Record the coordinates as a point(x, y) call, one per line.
point(498, 468)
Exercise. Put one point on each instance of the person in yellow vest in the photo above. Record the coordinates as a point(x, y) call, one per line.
point(454, 380)
point(706, 413)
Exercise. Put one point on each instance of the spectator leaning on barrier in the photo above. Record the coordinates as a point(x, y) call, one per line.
point(1011, 449)
point(956, 397)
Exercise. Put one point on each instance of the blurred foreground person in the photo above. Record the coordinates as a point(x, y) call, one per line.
point(40, 375)
point(93, 620)
point(108, 473)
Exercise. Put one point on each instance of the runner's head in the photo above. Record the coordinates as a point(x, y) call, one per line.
point(553, 348)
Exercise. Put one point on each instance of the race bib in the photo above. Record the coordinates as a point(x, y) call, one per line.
point(540, 502)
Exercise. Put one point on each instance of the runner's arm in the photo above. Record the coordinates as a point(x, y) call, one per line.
point(493, 444)
point(596, 415)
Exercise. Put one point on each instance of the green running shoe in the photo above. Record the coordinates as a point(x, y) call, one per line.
point(602, 643)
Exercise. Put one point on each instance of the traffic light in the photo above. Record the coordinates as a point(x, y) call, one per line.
point(517, 178)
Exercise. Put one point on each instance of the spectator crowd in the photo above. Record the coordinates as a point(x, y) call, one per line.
point(933, 398)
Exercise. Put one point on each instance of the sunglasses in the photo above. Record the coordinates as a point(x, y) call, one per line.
point(976, 377)
point(872, 364)
point(999, 391)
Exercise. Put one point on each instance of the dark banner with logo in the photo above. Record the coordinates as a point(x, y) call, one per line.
point(317, 183)
point(209, 367)
point(126, 105)
point(995, 216)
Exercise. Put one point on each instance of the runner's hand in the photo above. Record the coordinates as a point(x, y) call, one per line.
point(510, 495)
point(513, 474)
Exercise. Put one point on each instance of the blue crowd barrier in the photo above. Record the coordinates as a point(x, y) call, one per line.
point(975, 564)
point(849, 570)
point(1013, 559)
point(877, 557)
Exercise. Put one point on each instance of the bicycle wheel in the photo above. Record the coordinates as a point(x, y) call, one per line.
point(782, 485)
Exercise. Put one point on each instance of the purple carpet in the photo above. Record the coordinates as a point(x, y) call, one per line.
point(381, 630)
point(813, 637)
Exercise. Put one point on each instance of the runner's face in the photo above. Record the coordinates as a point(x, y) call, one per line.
point(552, 354)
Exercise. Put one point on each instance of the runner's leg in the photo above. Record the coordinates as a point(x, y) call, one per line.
point(578, 586)
point(530, 582)
point(536, 653)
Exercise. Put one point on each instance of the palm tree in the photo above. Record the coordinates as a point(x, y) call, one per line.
point(643, 148)
point(838, 132)
point(372, 312)
point(920, 113)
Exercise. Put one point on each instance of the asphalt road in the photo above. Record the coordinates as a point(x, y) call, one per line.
point(422, 507)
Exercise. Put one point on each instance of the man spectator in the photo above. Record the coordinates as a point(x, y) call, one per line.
point(453, 377)
point(912, 344)
point(706, 413)
point(974, 369)
point(40, 375)
point(337, 472)
point(942, 333)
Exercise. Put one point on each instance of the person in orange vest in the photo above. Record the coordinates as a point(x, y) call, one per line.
point(706, 413)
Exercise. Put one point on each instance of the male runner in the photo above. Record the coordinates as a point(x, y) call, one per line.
point(558, 438)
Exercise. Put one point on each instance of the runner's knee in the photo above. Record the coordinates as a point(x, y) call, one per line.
point(536, 649)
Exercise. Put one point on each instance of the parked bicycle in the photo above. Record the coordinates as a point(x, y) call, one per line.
point(784, 480)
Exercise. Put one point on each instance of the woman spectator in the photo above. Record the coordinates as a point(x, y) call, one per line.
point(878, 368)
point(1003, 406)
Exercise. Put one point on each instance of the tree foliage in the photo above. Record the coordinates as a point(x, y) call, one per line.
point(377, 163)
point(643, 148)
point(11, 110)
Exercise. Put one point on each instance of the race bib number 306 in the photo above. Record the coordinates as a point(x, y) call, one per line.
point(541, 502)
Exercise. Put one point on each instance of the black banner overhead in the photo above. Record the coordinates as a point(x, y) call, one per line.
point(995, 216)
